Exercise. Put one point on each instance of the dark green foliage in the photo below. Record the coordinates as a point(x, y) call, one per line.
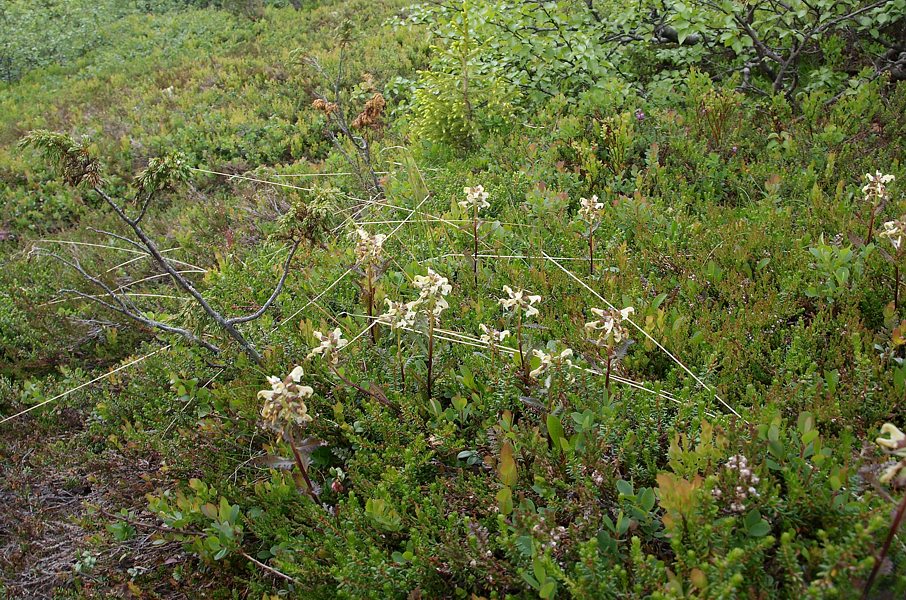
point(73, 160)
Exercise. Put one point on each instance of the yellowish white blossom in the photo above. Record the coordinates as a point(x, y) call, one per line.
point(432, 284)
point(895, 445)
point(368, 247)
point(895, 231)
point(563, 359)
point(590, 210)
point(875, 188)
point(476, 198)
point(493, 337)
point(399, 315)
point(284, 403)
point(608, 330)
point(894, 473)
point(330, 344)
point(519, 300)
point(431, 291)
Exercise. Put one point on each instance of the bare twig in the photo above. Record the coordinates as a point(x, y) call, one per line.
point(181, 281)
point(277, 290)
point(121, 303)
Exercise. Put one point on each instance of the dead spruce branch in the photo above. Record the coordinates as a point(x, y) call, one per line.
point(78, 168)
point(338, 127)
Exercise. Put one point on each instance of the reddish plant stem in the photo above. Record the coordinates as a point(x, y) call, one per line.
point(871, 226)
point(607, 375)
point(430, 355)
point(399, 359)
point(356, 386)
point(475, 244)
point(301, 465)
point(897, 519)
point(370, 293)
point(525, 370)
point(896, 286)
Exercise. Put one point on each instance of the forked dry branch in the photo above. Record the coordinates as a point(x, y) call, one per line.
point(77, 168)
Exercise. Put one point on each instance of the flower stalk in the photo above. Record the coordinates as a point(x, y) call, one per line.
point(284, 409)
point(609, 335)
point(430, 382)
point(368, 251)
point(493, 338)
point(300, 464)
point(555, 363)
point(893, 445)
point(522, 304)
point(399, 316)
point(876, 194)
point(476, 199)
point(591, 212)
point(895, 232)
point(431, 303)
point(329, 349)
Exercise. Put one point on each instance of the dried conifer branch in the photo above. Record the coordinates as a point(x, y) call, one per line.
point(277, 290)
point(122, 304)
point(337, 124)
point(77, 168)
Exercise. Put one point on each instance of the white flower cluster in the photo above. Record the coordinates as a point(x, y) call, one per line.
point(368, 248)
point(895, 231)
point(432, 289)
point(399, 315)
point(493, 337)
point(608, 330)
point(745, 483)
point(548, 361)
point(284, 403)
point(590, 210)
point(476, 198)
point(875, 188)
point(331, 343)
point(519, 300)
point(894, 445)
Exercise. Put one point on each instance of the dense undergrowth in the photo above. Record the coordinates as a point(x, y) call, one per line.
point(717, 442)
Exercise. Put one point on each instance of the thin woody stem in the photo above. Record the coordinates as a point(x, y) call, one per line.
point(430, 354)
point(896, 286)
point(475, 244)
point(356, 386)
point(370, 293)
point(894, 526)
point(301, 465)
point(607, 376)
point(399, 358)
point(871, 225)
point(525, 370)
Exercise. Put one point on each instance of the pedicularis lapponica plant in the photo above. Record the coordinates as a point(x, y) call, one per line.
point(476, 200)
